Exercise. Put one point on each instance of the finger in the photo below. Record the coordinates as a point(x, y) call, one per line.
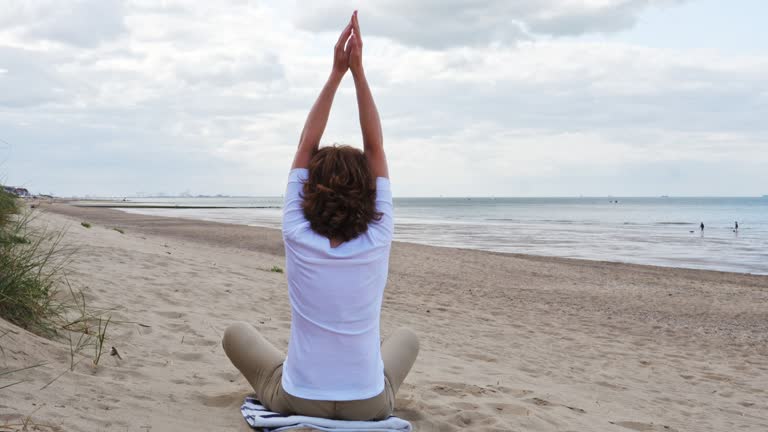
point(355, 51)
point(349, 47)
point(343, 39)
point(356, 25)
point(344, 34)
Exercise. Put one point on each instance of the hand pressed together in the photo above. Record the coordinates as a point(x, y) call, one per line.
point(348, 51)
point(355, 47)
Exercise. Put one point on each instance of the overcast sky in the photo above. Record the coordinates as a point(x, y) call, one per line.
point(478, 98)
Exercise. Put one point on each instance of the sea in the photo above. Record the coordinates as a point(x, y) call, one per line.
point(662, 231)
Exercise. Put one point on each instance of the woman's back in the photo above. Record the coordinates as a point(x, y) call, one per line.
point(335, 296)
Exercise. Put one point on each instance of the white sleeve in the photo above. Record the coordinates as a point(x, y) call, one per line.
point(383, 229)
point(293, 214)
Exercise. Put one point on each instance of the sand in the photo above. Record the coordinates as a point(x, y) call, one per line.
point(508, 342)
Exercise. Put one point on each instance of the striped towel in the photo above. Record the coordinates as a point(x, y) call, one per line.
point(264, 420)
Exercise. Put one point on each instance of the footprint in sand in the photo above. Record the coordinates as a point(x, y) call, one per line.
point(542, 402)
point(414, 408)
point(222, 400)
point(610, 386)
point(505, 408)
point(481, 357)
point(716, 377)
point(170, 314)
point(644, 427)
point(511, 391)
point(199, 341)
point(228, 376)
point(473, 418)
point(464, 406)
point(193, 356)
point(460, 389)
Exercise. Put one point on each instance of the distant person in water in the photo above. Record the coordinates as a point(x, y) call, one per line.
point(736, 228)
point(337, 229)
point(702, 227)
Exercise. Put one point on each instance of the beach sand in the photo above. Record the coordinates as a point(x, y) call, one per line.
point(508, 342)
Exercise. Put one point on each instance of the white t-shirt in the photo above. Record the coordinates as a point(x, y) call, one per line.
point(335, 295)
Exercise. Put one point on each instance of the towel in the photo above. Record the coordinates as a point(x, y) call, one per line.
point(264, 420)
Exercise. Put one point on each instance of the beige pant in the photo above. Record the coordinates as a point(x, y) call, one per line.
point(262, 365)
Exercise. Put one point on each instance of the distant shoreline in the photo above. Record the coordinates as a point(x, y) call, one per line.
point(103, 211)
point(492, 197)
point(118, 205)
point(651, 231)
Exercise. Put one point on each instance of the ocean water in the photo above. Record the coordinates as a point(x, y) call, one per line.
point(658, 231)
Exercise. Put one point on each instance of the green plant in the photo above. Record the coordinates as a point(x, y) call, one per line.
point(8, 207)
point(118, 230)
point(276, 269)
point(101, 334)
point(12, 238)
point(74, 349)
point(32, 260)
point(87, 323)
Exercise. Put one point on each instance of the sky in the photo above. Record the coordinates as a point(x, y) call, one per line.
point(477, 98)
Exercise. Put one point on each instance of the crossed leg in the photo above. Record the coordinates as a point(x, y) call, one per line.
point(258, 360)
point(254, 357)
point(399, 353)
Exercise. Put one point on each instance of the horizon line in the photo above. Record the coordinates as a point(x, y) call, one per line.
point(205, 196)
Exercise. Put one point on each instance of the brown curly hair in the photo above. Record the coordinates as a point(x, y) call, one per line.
point(340, 193)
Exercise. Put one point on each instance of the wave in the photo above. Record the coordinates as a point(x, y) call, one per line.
point(557, 221)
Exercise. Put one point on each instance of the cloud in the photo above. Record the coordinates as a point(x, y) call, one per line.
point(212, 98)
point(224, 70)
point(436, 24)
point(27, 79)
point(572, 85)
point(570, 17)
point(84, 23)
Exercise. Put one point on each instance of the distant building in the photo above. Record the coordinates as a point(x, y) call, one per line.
point(18, 191)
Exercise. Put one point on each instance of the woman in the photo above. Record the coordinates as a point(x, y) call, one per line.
point(337, 229)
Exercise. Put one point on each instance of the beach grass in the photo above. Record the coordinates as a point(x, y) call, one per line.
point(85, 323)
point(276, 269)
point(85, 224)
point(33, 263)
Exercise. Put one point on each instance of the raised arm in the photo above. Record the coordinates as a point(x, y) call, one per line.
point(317, 119)
point(370, 124)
